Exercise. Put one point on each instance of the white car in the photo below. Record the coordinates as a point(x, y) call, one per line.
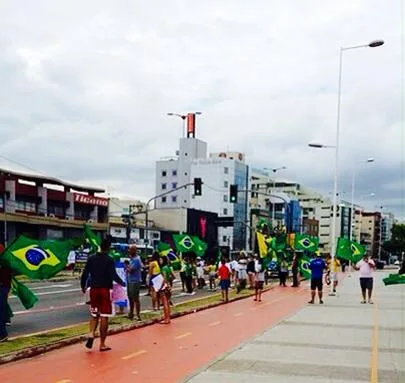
point(396, 263)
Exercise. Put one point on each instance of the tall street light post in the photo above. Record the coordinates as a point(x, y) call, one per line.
point(372, 44)
point(352, 212)
point(273, 211)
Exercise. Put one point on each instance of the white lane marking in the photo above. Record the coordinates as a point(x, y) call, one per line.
point(53, 292)
point(50, 287)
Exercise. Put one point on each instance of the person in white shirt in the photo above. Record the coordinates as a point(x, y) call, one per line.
point(242, 275)
point(259, 280)
point(366, 268)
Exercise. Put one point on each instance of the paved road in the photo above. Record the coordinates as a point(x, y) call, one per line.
point(341, 341)
point(161, 353)
point(280, 339)
point(62, 304)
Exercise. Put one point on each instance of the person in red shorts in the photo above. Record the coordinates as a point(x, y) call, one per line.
point(101, 271)
point(225, 279)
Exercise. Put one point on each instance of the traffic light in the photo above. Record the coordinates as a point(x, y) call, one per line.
point(197, 186)
point(233, 193)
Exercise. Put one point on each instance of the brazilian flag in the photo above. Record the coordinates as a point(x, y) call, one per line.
point(37, 259)
point(184, 243)
point(303, 265)
point(93, 239)
point(306, 243)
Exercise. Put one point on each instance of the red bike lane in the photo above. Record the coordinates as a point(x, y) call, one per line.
point(161, 353)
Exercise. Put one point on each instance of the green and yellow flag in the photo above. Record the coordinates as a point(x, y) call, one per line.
point(23, 293)
point(37, 259)
point(306, 242)
point(262, 244)
point(93, 239)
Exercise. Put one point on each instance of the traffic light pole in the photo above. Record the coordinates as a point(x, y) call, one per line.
point(155, 198)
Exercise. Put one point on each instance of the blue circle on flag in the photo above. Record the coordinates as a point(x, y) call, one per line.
point(35, 256)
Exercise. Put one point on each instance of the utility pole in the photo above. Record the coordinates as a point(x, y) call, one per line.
point(129, 223)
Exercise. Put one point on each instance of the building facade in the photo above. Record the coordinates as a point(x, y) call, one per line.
point(370, 235)
point(217, 171)
point(44, 207)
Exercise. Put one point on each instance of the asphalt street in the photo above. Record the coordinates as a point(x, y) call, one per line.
point(63, 303)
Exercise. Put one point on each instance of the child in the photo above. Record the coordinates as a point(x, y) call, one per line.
point(259, 280)
point(225, 280)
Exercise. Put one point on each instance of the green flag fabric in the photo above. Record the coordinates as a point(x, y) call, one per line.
point(163, 248)
point(343, 249)
point(306, 243)
point(358, 251)
point(349, 250)
point(394, 279)
point(200, 247)
point(279, 242)
point(303, 266)
point(93, 239)
point(24, 294)
point(37, 259)
point(183, 242)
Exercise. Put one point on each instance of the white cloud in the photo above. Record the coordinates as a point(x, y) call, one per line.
point(86, 86)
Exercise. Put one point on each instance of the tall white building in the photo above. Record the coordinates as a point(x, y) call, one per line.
point(388, 220)
point(217, 172)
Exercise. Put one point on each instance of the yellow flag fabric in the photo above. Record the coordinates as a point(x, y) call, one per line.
point(261, 241)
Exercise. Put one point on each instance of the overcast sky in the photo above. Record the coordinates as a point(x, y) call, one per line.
point(86, 85)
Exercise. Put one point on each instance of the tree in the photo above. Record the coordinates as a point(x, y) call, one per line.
point(396, 245)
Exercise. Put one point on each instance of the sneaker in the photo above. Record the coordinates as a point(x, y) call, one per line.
point(311, 302)
point(370, 302)
point(363, 302)
point(321, 302)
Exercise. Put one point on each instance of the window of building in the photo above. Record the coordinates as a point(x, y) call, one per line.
point(185, 173)
point(226, 170)
point(164, 173)
point(174, 185)
point(164, 199)
point(225, 198)
point(174, 173)
point(186, 154)
point(226, 184)
point(174, 198)
point(224, 238)
point(164, 186)
point(225, 211)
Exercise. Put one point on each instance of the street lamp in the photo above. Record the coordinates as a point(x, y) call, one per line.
point(372, 44)
point(352, 213)
point(184, 118)
point(273, 211)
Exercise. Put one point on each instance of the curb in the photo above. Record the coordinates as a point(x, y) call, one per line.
point(42, 349)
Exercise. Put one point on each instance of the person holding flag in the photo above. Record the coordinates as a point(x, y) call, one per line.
point(101, 269)
point(5, 286)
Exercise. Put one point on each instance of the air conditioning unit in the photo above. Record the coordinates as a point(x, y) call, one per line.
point(90, 220)
point(69, 218)
point(51, 215)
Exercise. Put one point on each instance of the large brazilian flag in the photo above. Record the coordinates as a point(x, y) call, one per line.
point(37, 259)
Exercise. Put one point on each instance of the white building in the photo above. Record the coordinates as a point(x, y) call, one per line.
point(388, 220)
point(218, 172)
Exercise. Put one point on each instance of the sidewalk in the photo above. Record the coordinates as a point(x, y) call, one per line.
point(341, 341)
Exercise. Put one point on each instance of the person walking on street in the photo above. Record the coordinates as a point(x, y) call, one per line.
point(165, 293)
point(294, 270)
point(317, 266)
point(283, 273)
point(366, 267)
point(100, 267)
point(225, 280)
point(259, 280)
point(251, 272)
point(5, 286)
point(188, 275)
point(334, 268)
point(134, 272)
